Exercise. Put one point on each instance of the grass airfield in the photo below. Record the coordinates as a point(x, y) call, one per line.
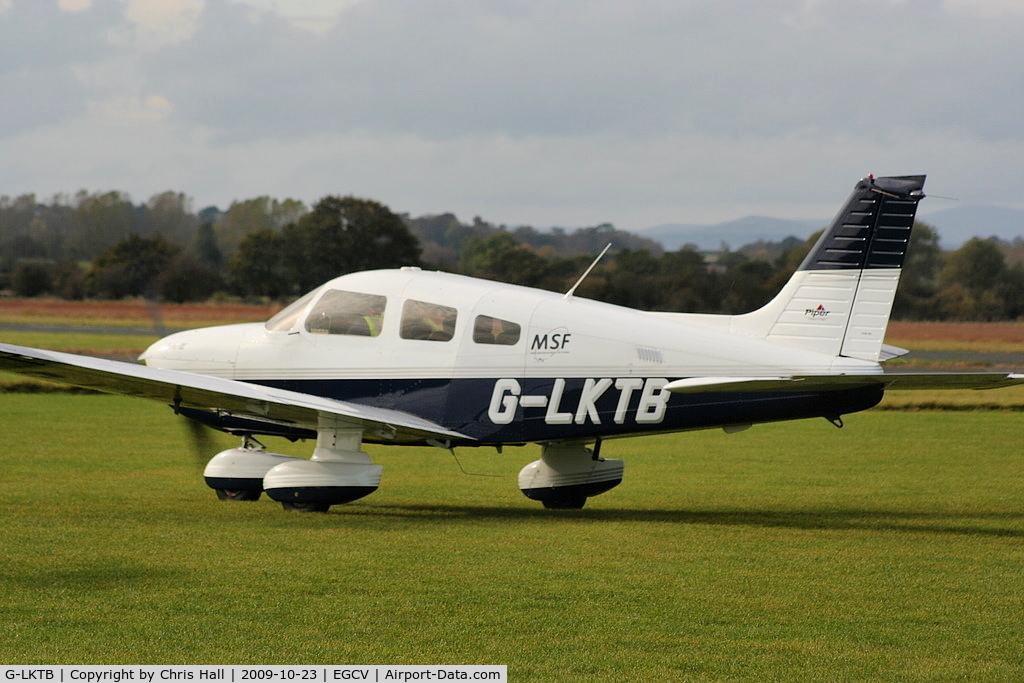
point(890, 549)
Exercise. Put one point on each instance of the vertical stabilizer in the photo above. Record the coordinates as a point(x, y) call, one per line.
point(839, 300)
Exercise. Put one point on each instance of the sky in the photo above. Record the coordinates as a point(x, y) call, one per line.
point(521, 112)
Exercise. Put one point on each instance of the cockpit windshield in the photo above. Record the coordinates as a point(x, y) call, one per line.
point(284, 320)
point(353, 313)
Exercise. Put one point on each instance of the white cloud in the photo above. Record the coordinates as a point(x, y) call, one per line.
point(119, 109)
point(74, 5)
point(160, 22)
point(317, 16)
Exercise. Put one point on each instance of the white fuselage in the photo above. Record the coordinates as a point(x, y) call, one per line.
point(575, 364)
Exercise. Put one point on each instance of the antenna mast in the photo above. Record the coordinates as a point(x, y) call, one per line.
point(587, 271)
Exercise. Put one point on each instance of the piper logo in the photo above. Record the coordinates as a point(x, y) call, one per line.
point(819, 312)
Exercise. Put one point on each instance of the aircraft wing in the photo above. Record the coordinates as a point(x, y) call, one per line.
point(889, 380)
point(223, 396)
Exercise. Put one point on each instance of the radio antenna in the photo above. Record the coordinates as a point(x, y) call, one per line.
point(587, 271)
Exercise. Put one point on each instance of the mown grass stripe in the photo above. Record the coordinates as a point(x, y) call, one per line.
point(889, 549)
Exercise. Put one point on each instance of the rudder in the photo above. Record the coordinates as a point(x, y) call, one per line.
point(839, 300)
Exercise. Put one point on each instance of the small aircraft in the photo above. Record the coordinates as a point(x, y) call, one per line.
point(413, 358)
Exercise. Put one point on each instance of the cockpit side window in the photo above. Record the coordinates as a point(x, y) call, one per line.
point(488, 330)
point(427, 321)
point(353, 313)
point(284, 320)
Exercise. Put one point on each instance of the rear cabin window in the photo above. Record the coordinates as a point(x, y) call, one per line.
point(352, 313)
point(427, 321)
point(488, 330)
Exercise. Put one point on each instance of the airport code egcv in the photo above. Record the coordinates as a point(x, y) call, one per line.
point(240, 674)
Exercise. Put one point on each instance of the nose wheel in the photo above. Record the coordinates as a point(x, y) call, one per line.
point(237, 473)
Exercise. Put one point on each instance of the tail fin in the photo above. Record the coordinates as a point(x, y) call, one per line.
point(839, 300)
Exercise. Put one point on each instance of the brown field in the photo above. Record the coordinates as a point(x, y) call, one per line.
point(1006, 332)
point(129, 313)
point(959, 337)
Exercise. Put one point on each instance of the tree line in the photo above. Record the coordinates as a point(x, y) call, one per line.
point(103, 246)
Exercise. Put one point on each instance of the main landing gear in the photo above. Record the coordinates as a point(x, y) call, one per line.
point(567, 474)
point(341, 472)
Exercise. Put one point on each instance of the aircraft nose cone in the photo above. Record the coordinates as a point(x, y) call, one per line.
point(209, 351)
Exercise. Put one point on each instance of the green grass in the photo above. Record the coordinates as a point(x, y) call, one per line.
point(81, 342)
point(1008, 398)
point(121, 346)
point(891, 549)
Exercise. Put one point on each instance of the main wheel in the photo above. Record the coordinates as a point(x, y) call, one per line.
point(566, 475)
point(238, 494)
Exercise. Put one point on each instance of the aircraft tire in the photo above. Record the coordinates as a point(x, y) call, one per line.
point(568, 503)
point(566, 475)
point(238, 494)
point(306, 507)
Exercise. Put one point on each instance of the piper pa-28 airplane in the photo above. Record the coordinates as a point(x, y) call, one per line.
point(408, 357)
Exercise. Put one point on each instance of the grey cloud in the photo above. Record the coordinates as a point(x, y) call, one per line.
point(540, 69)
point(38, 35)
point(538, 112)
point(40, 47)
point(546, 69)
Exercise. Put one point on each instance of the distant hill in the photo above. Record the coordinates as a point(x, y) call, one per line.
point(736, 233)
point(959, 224)
point(955, 226)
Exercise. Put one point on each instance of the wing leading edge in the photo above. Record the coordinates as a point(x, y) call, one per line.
point(223, 396)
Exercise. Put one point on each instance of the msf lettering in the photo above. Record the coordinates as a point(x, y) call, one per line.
point(645, 398)
point(550, 342)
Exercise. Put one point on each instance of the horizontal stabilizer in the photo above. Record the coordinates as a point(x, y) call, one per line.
point(804, 383)
point(889, 352)
point(952, 380)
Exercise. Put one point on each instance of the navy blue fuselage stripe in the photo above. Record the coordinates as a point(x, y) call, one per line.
point(463, 405)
